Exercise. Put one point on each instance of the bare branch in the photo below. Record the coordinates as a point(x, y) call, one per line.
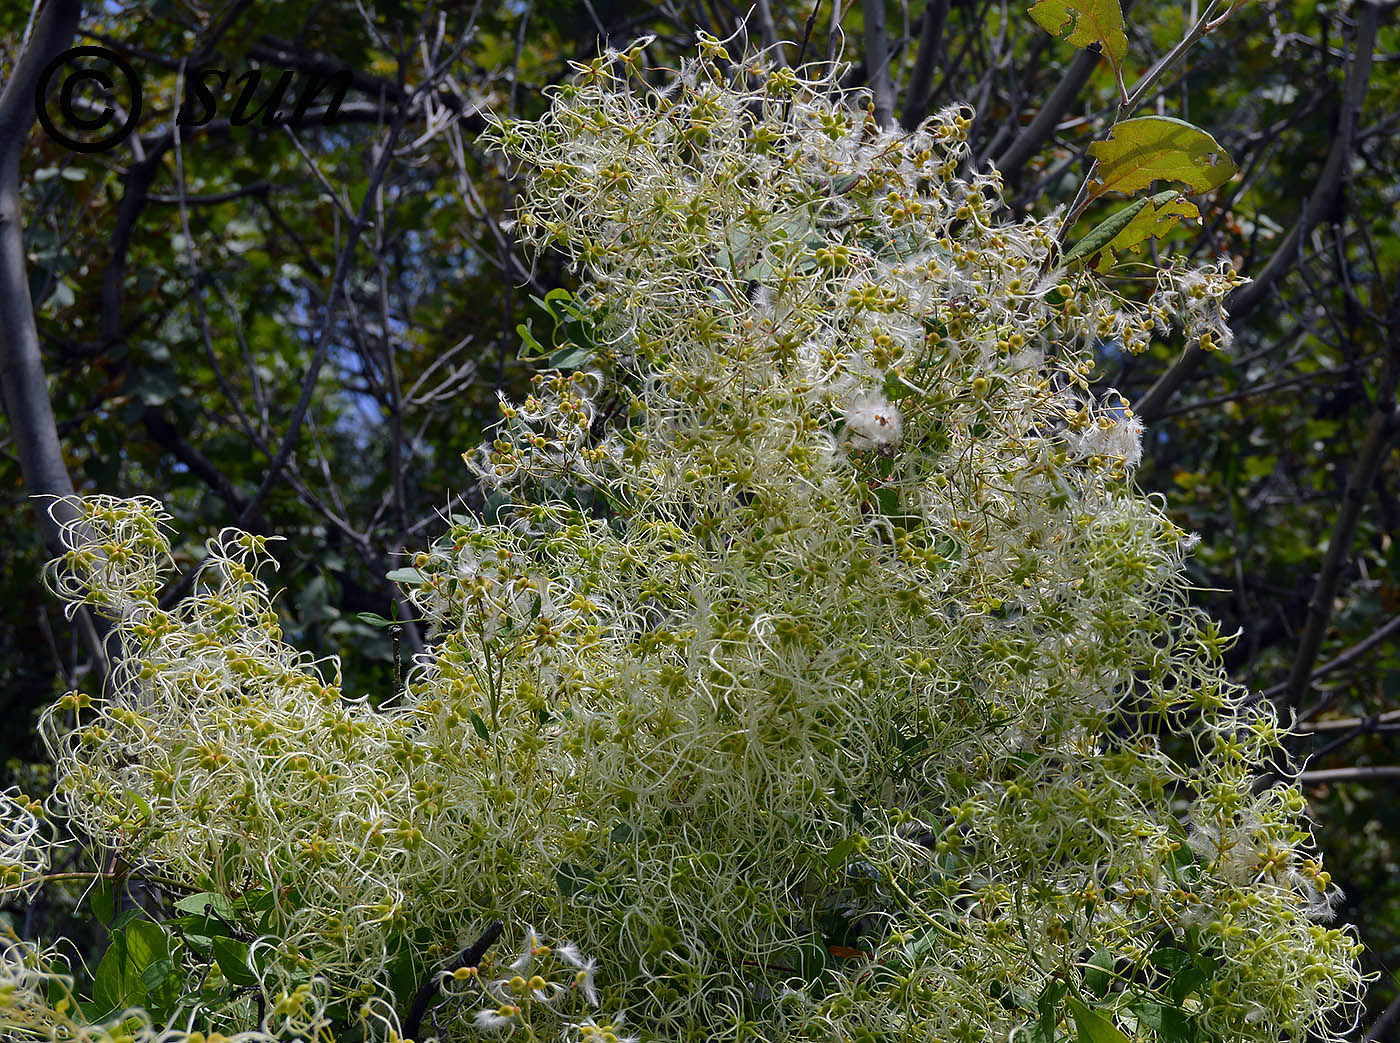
point(877, 61)
point(1245, 299)
point(1380, 432)
point(916, 95)
point(1348, 657)
point(22, 380)
point(1366, 773)
point(1039, 129)
point(468, 957)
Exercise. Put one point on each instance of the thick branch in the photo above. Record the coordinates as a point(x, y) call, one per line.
point(877, 61)
point(921, 82)
point(1365, 773)
point(1380, 432)
point(138, 180)
point(1349, 656)
point(1038, 131)
point(1386, 1022)
point(278, 463)
point(22, 381)
point(768, 32)
point(168, 437)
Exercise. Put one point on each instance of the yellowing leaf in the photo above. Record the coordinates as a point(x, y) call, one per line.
point(1159, 148)
point(1149, 217)
point(1105, 232)
point(1155, 220)
point(1084, 22)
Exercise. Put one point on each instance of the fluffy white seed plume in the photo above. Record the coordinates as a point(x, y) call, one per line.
point(874, 423)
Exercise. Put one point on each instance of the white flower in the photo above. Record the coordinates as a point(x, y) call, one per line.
point(874, 423)
point(1114, 432)
point(583, 981)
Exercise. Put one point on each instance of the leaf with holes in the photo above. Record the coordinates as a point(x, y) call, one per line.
point(1159, 148)
point(1085, 22)
point(1149, 217)
point(1153, 221)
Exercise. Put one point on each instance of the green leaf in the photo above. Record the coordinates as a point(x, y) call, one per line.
point(118, 982)
point(374, 619)
point(232, 957)
point(1155, 220)
point(1171, 1023)
point(569, 358)
point(1104, 233)
point(1159, 148)
point(197, 904)
point(530, 348)
point(812, 959)
point(140, 804)
point(146, 942)
point(1150, 217)
point(1093, 1027)
point(572, 879)
point(887, 499)
point(1099, 973)
point(840, 852)
point(1085, 22)
point(1169, 960)
point(1191, 979)
point(1047, 1006)
point(406, 576)
point(123, 918)
point(103, 901)
point(156, 973)
point(479, 726)
point(1256, 467)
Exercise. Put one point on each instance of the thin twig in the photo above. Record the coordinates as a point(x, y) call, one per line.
point(1380, 432)
point(1245, 299)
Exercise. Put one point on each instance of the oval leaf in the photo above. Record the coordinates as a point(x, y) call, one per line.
point(1093, 1027)
point(232, 957)
point(1159, 148)
point(1099, 973)
point(1170, 1023)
